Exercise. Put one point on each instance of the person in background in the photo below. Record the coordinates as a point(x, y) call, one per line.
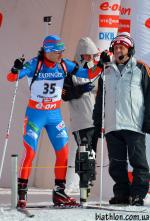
point(80, 94)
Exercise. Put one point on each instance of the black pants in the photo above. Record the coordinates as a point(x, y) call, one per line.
point(122, 144)
point(87, 175)
point(89, 134)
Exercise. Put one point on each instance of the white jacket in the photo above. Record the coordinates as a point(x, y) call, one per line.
point(81, 109)
point(124, 100)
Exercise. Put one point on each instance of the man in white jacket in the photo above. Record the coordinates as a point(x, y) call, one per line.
point(127, 119)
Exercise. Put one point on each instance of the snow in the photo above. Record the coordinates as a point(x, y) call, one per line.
point(52, 215)
point(42, 197)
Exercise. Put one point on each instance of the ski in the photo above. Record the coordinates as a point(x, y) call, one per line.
point(115, 209)
point(95, 207)
point(25, 211)
point(54, 206)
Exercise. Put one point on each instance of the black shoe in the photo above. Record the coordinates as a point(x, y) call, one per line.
point(136, 201)
point(119, 200)
point(22, 193)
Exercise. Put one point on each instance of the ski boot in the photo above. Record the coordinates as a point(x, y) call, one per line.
point(22, 193)
point(136, 201)
point(119, 200)
point(60, 198)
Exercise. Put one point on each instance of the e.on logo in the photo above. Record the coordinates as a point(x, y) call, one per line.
point(147, 23)
point(105, 6)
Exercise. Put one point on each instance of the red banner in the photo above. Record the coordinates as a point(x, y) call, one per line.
point(1, 18)
point(147, 23)
point(108, 21)
point(124, 25)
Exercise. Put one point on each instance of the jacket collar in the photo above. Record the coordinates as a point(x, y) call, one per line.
point(48, 63)
point(131, 63)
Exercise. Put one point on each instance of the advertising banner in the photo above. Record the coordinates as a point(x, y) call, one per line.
point(140, 27)
point(1, 18)
point(140, 32)
point(125, 17)
point(105, 22)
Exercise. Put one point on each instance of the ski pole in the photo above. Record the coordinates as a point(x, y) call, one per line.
point(9, 125)
point(102, 138)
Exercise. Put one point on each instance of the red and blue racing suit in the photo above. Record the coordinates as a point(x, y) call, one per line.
point(43, 111)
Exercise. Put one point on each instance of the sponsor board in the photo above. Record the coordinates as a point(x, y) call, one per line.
point(43, 75)
point(147, 23)
point(45, 107)
point(113, 21)
point(1, 18)
point(107, 6)
point(106, 36)
point(108, 21)
point(124, 25)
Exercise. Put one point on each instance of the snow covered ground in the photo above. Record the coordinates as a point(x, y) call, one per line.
point(38, 196)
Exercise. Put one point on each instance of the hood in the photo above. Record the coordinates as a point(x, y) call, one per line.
point(85, 46)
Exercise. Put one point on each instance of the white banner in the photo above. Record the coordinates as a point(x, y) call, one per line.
point(105, 22)
point(104, 27)
point(140, 27)
point(140, 32)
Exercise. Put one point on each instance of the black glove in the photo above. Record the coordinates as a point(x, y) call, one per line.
point(18, 65)
point(100, 64)
point(87, 87)
point(146, 128)
point(103, 59)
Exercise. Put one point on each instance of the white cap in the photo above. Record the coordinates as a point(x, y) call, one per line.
point(85, 46)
